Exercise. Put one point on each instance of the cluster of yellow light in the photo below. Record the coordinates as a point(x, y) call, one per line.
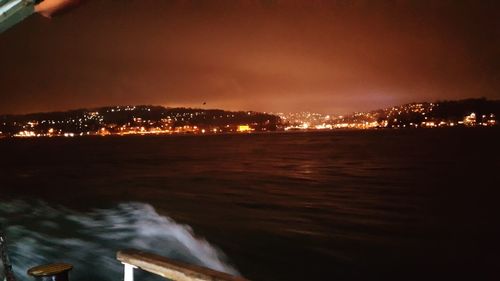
point(188, 129)
point(103, 132)
point(323, 127)
point(244, 128)
point(25, 134)
point(485, 120)
point(143, 131)
point(470, 120)
point(32, 124)
point(360, 125)
point(429, 124)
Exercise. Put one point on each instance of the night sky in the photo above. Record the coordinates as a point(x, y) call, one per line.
point(323, 56)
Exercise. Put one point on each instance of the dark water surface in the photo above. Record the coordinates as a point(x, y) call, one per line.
point(342, 205)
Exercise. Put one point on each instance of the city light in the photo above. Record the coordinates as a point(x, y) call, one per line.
point(146, 120)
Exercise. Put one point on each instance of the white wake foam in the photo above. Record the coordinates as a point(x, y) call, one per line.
point(38, 233)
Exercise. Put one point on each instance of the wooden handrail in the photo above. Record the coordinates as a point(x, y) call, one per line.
point(173, 270)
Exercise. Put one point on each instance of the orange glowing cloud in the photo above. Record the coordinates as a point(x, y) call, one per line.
point(48, 8)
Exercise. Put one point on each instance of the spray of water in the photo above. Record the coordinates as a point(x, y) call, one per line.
point(39, 233)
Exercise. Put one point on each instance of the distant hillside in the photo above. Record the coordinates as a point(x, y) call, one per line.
point(136, 119)
point(468, 112)
point(457, 110)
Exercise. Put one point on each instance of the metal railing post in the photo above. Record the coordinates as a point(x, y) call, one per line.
point(128, 272)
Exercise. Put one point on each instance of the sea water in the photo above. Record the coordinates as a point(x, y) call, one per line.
point(336, 205)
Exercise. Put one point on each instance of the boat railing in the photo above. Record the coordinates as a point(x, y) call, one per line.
point(168, 268)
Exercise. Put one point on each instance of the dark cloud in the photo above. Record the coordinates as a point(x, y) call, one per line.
point(328, 56)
